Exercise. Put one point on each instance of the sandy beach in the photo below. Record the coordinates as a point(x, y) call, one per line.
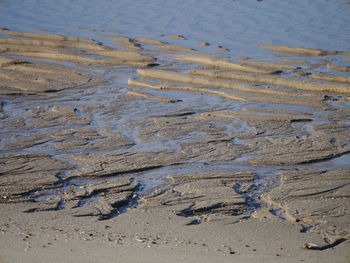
point(138, 147)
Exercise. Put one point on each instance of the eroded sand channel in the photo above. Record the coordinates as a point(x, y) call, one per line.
point(93, 129)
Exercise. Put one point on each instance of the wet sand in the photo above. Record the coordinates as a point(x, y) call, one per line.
point(150, 151)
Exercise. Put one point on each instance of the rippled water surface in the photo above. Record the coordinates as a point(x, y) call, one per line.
point(237, 25)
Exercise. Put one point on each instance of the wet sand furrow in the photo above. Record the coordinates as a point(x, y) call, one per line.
point(275, 80)
point(107, 53)
point(330, 77)
point(28, 172)
point(291, 195)
point(46, 36)
point(5, 62)
point(157, 86)
point(77, 59)
point(224, 64)
point(257, 116)
point(12, 43)
point(152, 97)
point(15, 84)
point(214, 81)
point(338, 68)
point(293, 150)
point(204, 195)
point(300, 51)
point(293, 61)
point(124, 55)
point(28, 48)
point(242, 96)
point(277, 111)
point(277, 66)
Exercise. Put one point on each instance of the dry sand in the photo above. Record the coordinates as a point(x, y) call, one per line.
point(227, 169)
point(155, 236)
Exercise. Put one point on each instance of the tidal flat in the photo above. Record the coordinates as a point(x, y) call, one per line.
point(171, 148)
point(194, 135)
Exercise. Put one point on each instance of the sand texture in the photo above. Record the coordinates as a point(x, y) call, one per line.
point(143, 150)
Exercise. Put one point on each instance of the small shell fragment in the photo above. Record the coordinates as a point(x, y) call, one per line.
point(311, 246)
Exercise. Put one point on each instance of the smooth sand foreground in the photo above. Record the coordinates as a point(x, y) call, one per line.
point(156, 237)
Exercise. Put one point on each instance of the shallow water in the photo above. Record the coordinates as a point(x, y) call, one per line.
point(236, 25)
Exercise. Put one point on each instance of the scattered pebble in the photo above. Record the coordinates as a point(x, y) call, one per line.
point(202, 43)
